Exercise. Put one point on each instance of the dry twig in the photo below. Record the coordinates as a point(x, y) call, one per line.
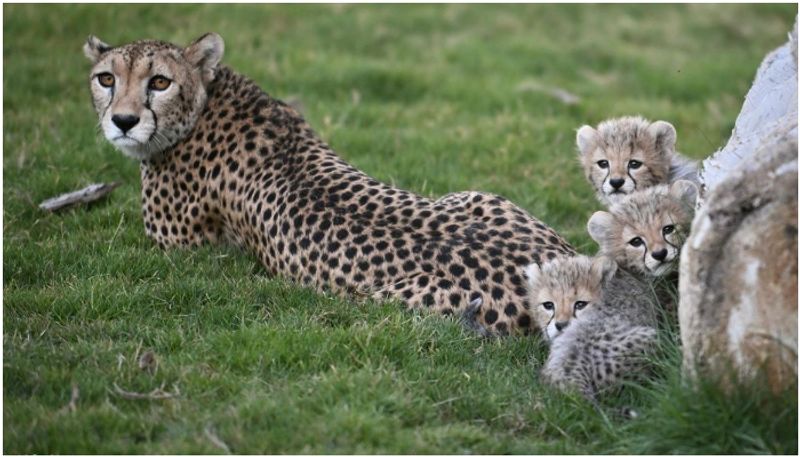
point(72, 406)
point(156, 394)
point(88, 194)
point(215, 440)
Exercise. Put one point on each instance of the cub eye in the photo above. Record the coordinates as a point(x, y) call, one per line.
point(634, 164)
point(159, 83)
point(636, 242)
point(105, 79)
point(548, 305)
point(668, 229)
point(602, 163)
point(579, 305)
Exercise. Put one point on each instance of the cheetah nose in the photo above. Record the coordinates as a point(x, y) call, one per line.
point(561, 325)
point(616, 183)
point(125, 122)
point(660, 255)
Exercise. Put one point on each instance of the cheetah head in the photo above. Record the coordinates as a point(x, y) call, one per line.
point(644, 232)
point(624, 155)
point(149, 94)
point(564, 289)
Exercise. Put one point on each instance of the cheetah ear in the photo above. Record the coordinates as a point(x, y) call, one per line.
point(684, 191)
point(94, 48)
point(586, 139)
point(600, 227)
point(532, 273)
point(664, 135)
point(604, 268)
point(205, 53)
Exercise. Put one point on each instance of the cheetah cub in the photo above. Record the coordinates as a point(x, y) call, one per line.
point(645, 231)
point(600, 322)
point(628, 154)
point(563, 292)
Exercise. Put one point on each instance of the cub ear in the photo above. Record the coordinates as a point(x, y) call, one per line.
point(685, 192)
point(604, 268)
point(664, 135)
point(600, 227)
point(586, 139)
point(532, 273)
point(94, 48)
point(205, 53)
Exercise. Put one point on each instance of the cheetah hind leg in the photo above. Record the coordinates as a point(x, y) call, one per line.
point(469, 318)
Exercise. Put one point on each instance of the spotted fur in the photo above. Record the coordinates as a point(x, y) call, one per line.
point(645, 231)
point(630, 153)
point(225, 161)
point(564, 291)
point(610, 339)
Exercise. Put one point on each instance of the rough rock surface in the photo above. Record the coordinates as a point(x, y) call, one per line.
point(766, 115)
point(738, 275)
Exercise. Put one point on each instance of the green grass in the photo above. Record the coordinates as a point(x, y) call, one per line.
point(430, 98)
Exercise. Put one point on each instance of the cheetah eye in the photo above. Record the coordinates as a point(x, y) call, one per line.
point(579, 305)
point(634, 164)
point(668, 229)
point(105, 79)
point(548, 305)
point(602, 163)
point(159, 82)
point(636, 242)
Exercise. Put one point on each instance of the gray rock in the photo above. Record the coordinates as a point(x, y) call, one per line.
point(738, 274)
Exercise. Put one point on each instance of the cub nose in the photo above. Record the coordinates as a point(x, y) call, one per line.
point(125, 122)
point(660, 255)
point(561, 325)
point(616, 183)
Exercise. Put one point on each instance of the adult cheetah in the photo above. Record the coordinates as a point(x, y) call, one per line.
point(222, 160)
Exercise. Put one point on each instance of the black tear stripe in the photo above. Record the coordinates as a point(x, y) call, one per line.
point(667, 241)
point(110, 101)
point(147, 104)
point(663, 237)
point(155, 120)
point(632, 179)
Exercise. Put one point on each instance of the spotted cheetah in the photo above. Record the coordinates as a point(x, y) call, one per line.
point(223, 161)
point(644, 232)
point(629, 154)
point(613, 334)
point(563, 292)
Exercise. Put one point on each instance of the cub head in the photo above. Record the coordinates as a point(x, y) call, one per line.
point(644, 232)
point(149, 94)
point(563, 289)
point(625, 154)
